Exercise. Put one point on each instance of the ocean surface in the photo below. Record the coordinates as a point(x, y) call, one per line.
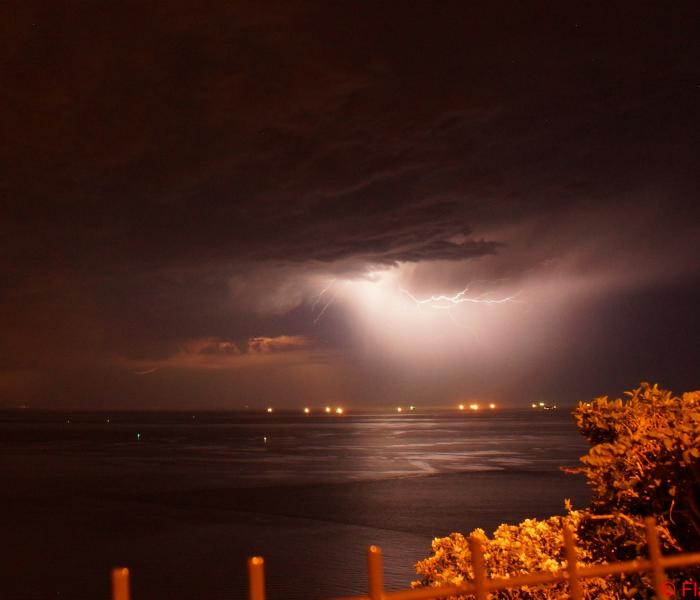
point(184, 498)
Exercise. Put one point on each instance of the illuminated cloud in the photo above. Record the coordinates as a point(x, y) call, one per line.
point(211, 353)
point(145, 371)
point(210, 347)
point(281, 343)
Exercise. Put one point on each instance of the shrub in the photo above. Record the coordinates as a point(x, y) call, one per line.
point(644, 460)
point(533, 545)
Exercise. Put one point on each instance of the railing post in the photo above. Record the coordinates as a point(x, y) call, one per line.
point(575, 592)
point(654, 548)
point(479, 568)
point(375, 573)
point(256, 578)
point(120, 583)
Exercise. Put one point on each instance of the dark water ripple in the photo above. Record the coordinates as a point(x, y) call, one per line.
point(185, 500)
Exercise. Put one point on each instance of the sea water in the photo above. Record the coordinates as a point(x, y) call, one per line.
point(184, 498)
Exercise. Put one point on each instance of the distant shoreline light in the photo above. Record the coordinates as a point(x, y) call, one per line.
point(339, 410)
point(544, 406)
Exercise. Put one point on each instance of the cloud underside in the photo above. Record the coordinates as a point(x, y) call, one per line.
point(177, 189)
point(274, 137)
point(216, 353)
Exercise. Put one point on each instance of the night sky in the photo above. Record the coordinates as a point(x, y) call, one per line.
point(212, 205)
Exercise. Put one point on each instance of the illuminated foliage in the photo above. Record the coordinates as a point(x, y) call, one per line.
point(644, 460)
point(533, 545)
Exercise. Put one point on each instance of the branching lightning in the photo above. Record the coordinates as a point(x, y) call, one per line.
point(448, 303)
point(443, 302)
point(388, 296)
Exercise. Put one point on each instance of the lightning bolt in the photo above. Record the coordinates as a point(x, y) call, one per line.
point(443, 302)
point(327, 296)
point(321, 294)
point(326, 290)
point(447, 303)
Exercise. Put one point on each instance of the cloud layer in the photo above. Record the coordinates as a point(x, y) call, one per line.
point(170, 177)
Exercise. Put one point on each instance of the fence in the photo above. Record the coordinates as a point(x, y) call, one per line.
point(480, 586)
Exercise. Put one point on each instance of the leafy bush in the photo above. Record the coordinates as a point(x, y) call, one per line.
point(644, 460)
point(533, 545)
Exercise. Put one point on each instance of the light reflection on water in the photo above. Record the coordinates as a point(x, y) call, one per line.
point(307, 450)
point(189, 501)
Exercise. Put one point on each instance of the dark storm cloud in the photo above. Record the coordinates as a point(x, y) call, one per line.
point(307, 132)
point(154, 152)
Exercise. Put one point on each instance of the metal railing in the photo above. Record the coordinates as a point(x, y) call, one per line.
point(481, 585)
